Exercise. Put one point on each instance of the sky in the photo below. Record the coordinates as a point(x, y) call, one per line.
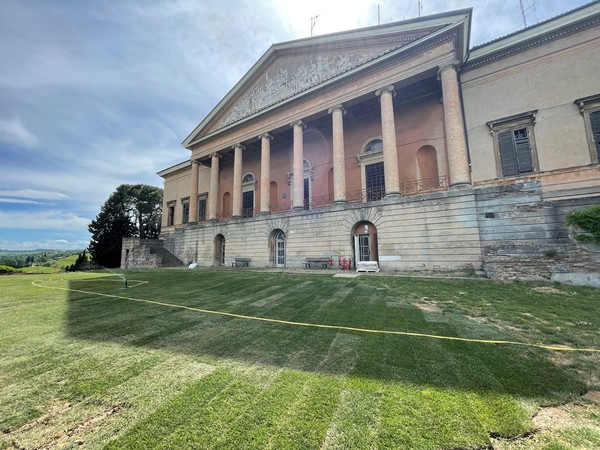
point(94, 94)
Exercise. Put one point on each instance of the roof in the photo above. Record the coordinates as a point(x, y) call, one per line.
point(290, 70)
point(539, 33)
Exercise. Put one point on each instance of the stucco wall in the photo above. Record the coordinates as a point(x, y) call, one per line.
point(546, 78)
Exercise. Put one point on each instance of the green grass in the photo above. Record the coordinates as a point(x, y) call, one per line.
point(105, 371)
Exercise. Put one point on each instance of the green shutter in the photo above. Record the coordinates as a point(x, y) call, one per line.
point(595, 122)
point(507, 154)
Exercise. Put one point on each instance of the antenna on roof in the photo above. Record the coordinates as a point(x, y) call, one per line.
point(378, 15)
point(525, 9)
point(313, 22)
point(419, 6)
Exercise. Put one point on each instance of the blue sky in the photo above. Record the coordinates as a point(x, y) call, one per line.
point(94, 94)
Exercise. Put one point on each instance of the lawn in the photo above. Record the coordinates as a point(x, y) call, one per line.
point(230, 359)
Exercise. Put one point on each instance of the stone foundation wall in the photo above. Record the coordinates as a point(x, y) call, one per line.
point(136, 254)
point(434, 232)
point(509, 231)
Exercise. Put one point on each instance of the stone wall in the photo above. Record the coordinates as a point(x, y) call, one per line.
point(136, 254)
point(434, 232)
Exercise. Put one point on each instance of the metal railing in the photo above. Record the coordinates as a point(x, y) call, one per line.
point(362, 196)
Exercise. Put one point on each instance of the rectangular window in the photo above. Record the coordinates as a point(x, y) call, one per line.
point(515, 152)
point(515, 144)
point(375, 181)
point(186, 213)
point(595, 128)
point(202, 210)
point(170, 215)
point(248, 204)
point(590, 110)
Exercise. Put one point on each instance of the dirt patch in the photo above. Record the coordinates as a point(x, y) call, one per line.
point(552, 417)
point(428, 307)
point(55, 410)
point(477, 319)
point(593, 396)
point(81, 428)
point(550, 290)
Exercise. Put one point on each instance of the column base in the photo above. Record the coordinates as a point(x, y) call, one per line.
point(298, 208)
point(264, 213)
point(392, 196)
point(212, 221)
point(457, 186)
point(339, 204)
point(236, 217)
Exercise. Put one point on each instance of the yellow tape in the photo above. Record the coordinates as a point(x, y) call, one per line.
point(316, 325)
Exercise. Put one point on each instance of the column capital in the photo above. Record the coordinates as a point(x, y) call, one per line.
point(238, 145)
point(389, 88)
point(335, 108)
point(216, 155)
point(265, 136)
point(449, 65)
point(298, 123)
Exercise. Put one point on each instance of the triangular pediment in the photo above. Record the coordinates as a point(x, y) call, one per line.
point(288, 70)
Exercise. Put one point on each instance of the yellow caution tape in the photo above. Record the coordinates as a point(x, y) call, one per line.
point(317, 325)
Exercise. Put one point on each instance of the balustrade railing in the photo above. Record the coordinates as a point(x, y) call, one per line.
point(363, 196)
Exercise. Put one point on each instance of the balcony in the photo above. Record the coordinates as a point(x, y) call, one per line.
point(407, 188)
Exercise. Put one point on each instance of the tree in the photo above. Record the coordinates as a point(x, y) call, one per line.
point(132, 210)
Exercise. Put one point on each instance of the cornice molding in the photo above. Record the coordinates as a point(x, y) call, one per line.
point(530, 43)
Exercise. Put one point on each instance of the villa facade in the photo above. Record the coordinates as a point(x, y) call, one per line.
point(397, 144)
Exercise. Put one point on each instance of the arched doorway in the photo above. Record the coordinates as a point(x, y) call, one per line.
point(277, 248)
point(219, 255)
point(364, 242)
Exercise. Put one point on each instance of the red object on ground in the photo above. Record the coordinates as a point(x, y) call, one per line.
point(339, 261)
point(331, 261)
point(345, 264)
point(350, 264)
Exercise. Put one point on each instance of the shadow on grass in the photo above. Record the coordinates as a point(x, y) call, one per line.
point(524, 372)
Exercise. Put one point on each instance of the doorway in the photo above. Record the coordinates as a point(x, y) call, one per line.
point(364, 240)
point(219, 256)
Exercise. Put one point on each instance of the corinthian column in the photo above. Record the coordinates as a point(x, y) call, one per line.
point(388, 136)
point(237, 180)
point(265, 173)
point(339, 166)
point(298, 195)
point(194, 193)
point(456, 142)
point(213, 193)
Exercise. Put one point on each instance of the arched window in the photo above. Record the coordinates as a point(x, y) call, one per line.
point(374, 145)
point(248, 188)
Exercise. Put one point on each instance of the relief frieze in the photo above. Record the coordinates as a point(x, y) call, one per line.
point(286, 79)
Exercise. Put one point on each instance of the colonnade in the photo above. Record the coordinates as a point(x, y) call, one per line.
point(456, 148)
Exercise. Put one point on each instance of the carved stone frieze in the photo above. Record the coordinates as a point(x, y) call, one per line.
point(292, 75)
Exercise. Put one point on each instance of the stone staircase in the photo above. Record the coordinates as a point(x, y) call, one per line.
point(167, 258)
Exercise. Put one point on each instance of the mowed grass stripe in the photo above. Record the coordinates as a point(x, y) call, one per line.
point(354, 389)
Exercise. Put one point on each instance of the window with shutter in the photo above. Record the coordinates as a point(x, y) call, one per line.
point(595, 124)
point(515, 152)
point(515, 143)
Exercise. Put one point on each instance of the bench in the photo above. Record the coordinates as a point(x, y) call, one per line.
point(240, 262)
point(323, 263)
point(367, 266)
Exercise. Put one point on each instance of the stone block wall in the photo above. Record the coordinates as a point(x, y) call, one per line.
point(433, 232)
point(136, 254)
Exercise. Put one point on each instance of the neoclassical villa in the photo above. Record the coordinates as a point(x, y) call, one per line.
point(398, 144)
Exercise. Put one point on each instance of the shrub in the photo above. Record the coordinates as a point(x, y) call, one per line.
point(588, 220)
point(4, 270)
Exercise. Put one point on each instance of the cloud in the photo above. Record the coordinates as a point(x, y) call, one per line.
point(19, 201)
point(13, 132)
point(57, 244)
point(33, 194)
point(43, 220)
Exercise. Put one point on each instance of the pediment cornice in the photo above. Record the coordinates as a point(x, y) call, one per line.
point(290, 70)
